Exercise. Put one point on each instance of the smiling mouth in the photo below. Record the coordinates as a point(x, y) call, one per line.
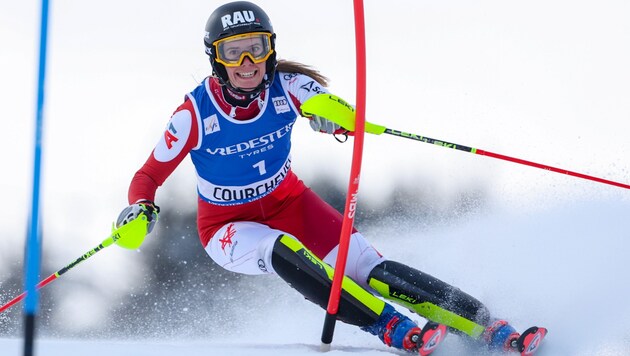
point(247, 75)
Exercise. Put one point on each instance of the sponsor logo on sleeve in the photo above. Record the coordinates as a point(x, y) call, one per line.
point(170, 135)
point(174, 138)
point(312, 86)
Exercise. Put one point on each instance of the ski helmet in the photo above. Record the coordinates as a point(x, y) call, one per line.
point(238, 18)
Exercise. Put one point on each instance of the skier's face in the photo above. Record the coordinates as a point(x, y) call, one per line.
point(244, 57)
point(248, 75)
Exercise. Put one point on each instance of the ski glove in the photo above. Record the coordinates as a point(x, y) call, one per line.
point(148, 208)
point(321, 124)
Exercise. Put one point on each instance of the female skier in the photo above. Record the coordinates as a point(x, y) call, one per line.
point(256, 217)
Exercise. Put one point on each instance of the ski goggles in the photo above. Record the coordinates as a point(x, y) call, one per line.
point(231, 51)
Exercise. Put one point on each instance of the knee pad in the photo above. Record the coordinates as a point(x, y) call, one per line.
point(362, 258)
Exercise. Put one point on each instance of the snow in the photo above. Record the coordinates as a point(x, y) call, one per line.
point(561, 266)
point(234, 348)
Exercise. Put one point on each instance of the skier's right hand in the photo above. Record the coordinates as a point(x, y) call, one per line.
point(146, 208)
point(134, 223)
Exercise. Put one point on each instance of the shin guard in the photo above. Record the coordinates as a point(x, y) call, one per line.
point(313, 279)
point(429, 297)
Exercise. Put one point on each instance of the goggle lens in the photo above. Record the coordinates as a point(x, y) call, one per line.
point(231, 51)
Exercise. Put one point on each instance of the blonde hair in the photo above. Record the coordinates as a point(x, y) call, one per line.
point(297, 67)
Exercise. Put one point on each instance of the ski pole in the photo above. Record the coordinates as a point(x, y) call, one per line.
point(334, 109)
point(128, 236)
point(500, 156)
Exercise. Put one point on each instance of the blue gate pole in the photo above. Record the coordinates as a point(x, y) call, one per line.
point(34, 241)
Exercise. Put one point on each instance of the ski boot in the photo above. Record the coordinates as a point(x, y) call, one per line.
point(501, 336)
point(397, 330)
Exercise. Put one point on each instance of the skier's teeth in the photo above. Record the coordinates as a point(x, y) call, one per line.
point(247, 75)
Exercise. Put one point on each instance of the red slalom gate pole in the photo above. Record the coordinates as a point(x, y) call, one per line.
point(353, 185)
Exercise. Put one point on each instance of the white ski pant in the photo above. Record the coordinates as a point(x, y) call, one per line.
point(246, 247)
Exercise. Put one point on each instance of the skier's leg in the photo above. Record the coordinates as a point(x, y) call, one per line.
point(440, 302)
point(430, 297)
point(254, 248)
point(361, 259)
point(313, 279)
point(426, 295)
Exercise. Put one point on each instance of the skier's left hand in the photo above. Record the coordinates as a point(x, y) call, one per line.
point(321, 124)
